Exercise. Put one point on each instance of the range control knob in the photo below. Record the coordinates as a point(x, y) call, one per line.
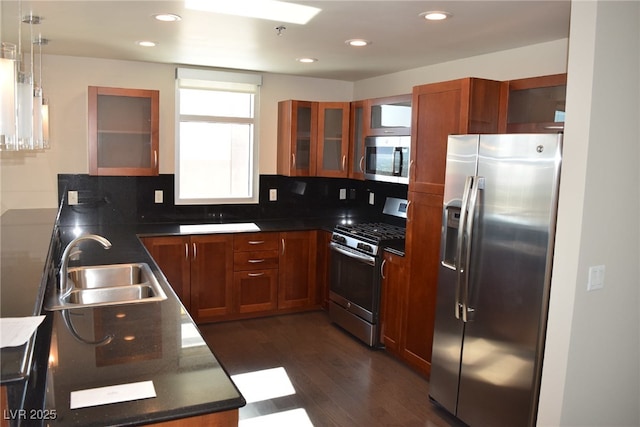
point(365, 247)
point(339, 239)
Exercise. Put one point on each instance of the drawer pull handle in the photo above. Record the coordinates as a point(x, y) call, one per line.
point(256, 242)
point(256, 261)
point(255, 274)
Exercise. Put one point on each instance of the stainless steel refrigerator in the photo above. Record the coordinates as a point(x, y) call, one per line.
point(499, 217)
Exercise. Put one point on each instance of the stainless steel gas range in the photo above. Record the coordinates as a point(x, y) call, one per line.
point(354, 297)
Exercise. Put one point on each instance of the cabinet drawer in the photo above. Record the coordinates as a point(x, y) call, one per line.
point(255, 260)
point(255, 242)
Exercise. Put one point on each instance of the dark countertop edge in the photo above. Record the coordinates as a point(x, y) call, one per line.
point(194, 411)
point(28, 348)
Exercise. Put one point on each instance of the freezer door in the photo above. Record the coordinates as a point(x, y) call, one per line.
point(511, 252)
point(447, 340)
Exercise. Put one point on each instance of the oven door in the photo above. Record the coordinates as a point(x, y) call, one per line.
point(355, 282)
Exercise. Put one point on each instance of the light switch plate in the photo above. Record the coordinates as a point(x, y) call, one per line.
point(596, 277)
point(343, 193)
point(72, 197)
point(372, 199)
point(159, 196)
point(273, 194)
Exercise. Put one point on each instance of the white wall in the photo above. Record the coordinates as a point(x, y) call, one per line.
point(591, 373)
point(530, 61)
point(30, 180)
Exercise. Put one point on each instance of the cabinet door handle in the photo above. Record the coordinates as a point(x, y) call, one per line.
point(384, 261)
point(195, 250)
point(186, 251)
point(256, 242)
point(408, 210)
point(282, 246)
point(293, 160)
point(344, 162)
point(410, 168)
point(255, 274)
point(155, 158)
point(256, 261)
point(362, 164)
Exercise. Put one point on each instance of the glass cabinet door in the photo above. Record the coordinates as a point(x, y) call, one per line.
point(537, 104)
point(356, 144)
point(297, 136)
point(390, 116)
point(123, 131)
point(333, 139)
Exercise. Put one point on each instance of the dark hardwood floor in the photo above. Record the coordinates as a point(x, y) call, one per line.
point(337, 380)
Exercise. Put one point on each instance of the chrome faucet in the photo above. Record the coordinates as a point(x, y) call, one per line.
point(64, 260)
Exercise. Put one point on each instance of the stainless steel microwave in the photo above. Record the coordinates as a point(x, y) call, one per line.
point(386, 158)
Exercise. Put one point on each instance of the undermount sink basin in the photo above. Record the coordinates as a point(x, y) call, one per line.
point(100, 285)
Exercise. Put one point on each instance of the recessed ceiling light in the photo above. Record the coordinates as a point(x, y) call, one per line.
point(272, 10)
point(436, 15)
point(167, 17)
point(146, 43)
point(358, 42)
point(307, 60)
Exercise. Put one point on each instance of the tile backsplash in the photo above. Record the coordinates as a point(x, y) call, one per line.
point(116, 199)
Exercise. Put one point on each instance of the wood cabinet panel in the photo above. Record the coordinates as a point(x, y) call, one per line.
point(357, 125)
point(123, 131)
point(442, 109)
point(255, 260)
point(422, 251)
point(211, 276)
point(172, 254)
point(394, 284)
point(323, 266)
point(256, 290)
point(256, 241)
point(297, 273)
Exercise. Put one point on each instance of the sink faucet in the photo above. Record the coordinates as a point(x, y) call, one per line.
point(64, 260)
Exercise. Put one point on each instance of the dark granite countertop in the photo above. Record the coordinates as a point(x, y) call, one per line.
point(155, 341)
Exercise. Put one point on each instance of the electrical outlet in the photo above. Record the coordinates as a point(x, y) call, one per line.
point(273, 194)
point(372, 199)
point(72, 197)
point(159, 196)
point(596, 277)
point(343, 193)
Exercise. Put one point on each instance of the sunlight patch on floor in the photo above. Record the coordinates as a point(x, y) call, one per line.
point(264, 385)
point(294, 417)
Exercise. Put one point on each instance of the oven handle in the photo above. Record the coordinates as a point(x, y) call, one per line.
point(369, 260)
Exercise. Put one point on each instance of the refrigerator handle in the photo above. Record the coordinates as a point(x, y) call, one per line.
point(460, 246)
point(478, 184)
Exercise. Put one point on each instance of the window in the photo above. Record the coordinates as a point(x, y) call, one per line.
point(216, 147)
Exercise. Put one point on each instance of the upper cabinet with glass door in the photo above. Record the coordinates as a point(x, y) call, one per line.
point(123, 131)
point(297, 138)
point(535, 105)
point(388, 116)
point(333, 139)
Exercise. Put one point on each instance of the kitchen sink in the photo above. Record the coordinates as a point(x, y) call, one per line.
point(100, 285)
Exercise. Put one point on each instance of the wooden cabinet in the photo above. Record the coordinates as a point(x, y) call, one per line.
point(255, 277)
point(200, 269)
point(323, 268)
point(123, 131)
point(297, 138)
point(211, 276)
point(441, 109)
point(534, 105)
point(231, 276)
point(423, 253)
point(356, 140)
point(297, 271)
point(313, 138)
point(333, 139)
point(171, 253)
point(394, 285)
point(388, 116)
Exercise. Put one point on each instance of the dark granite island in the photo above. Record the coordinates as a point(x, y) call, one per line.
point(117, 345)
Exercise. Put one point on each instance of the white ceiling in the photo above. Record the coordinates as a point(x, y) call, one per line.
point(401, 40)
